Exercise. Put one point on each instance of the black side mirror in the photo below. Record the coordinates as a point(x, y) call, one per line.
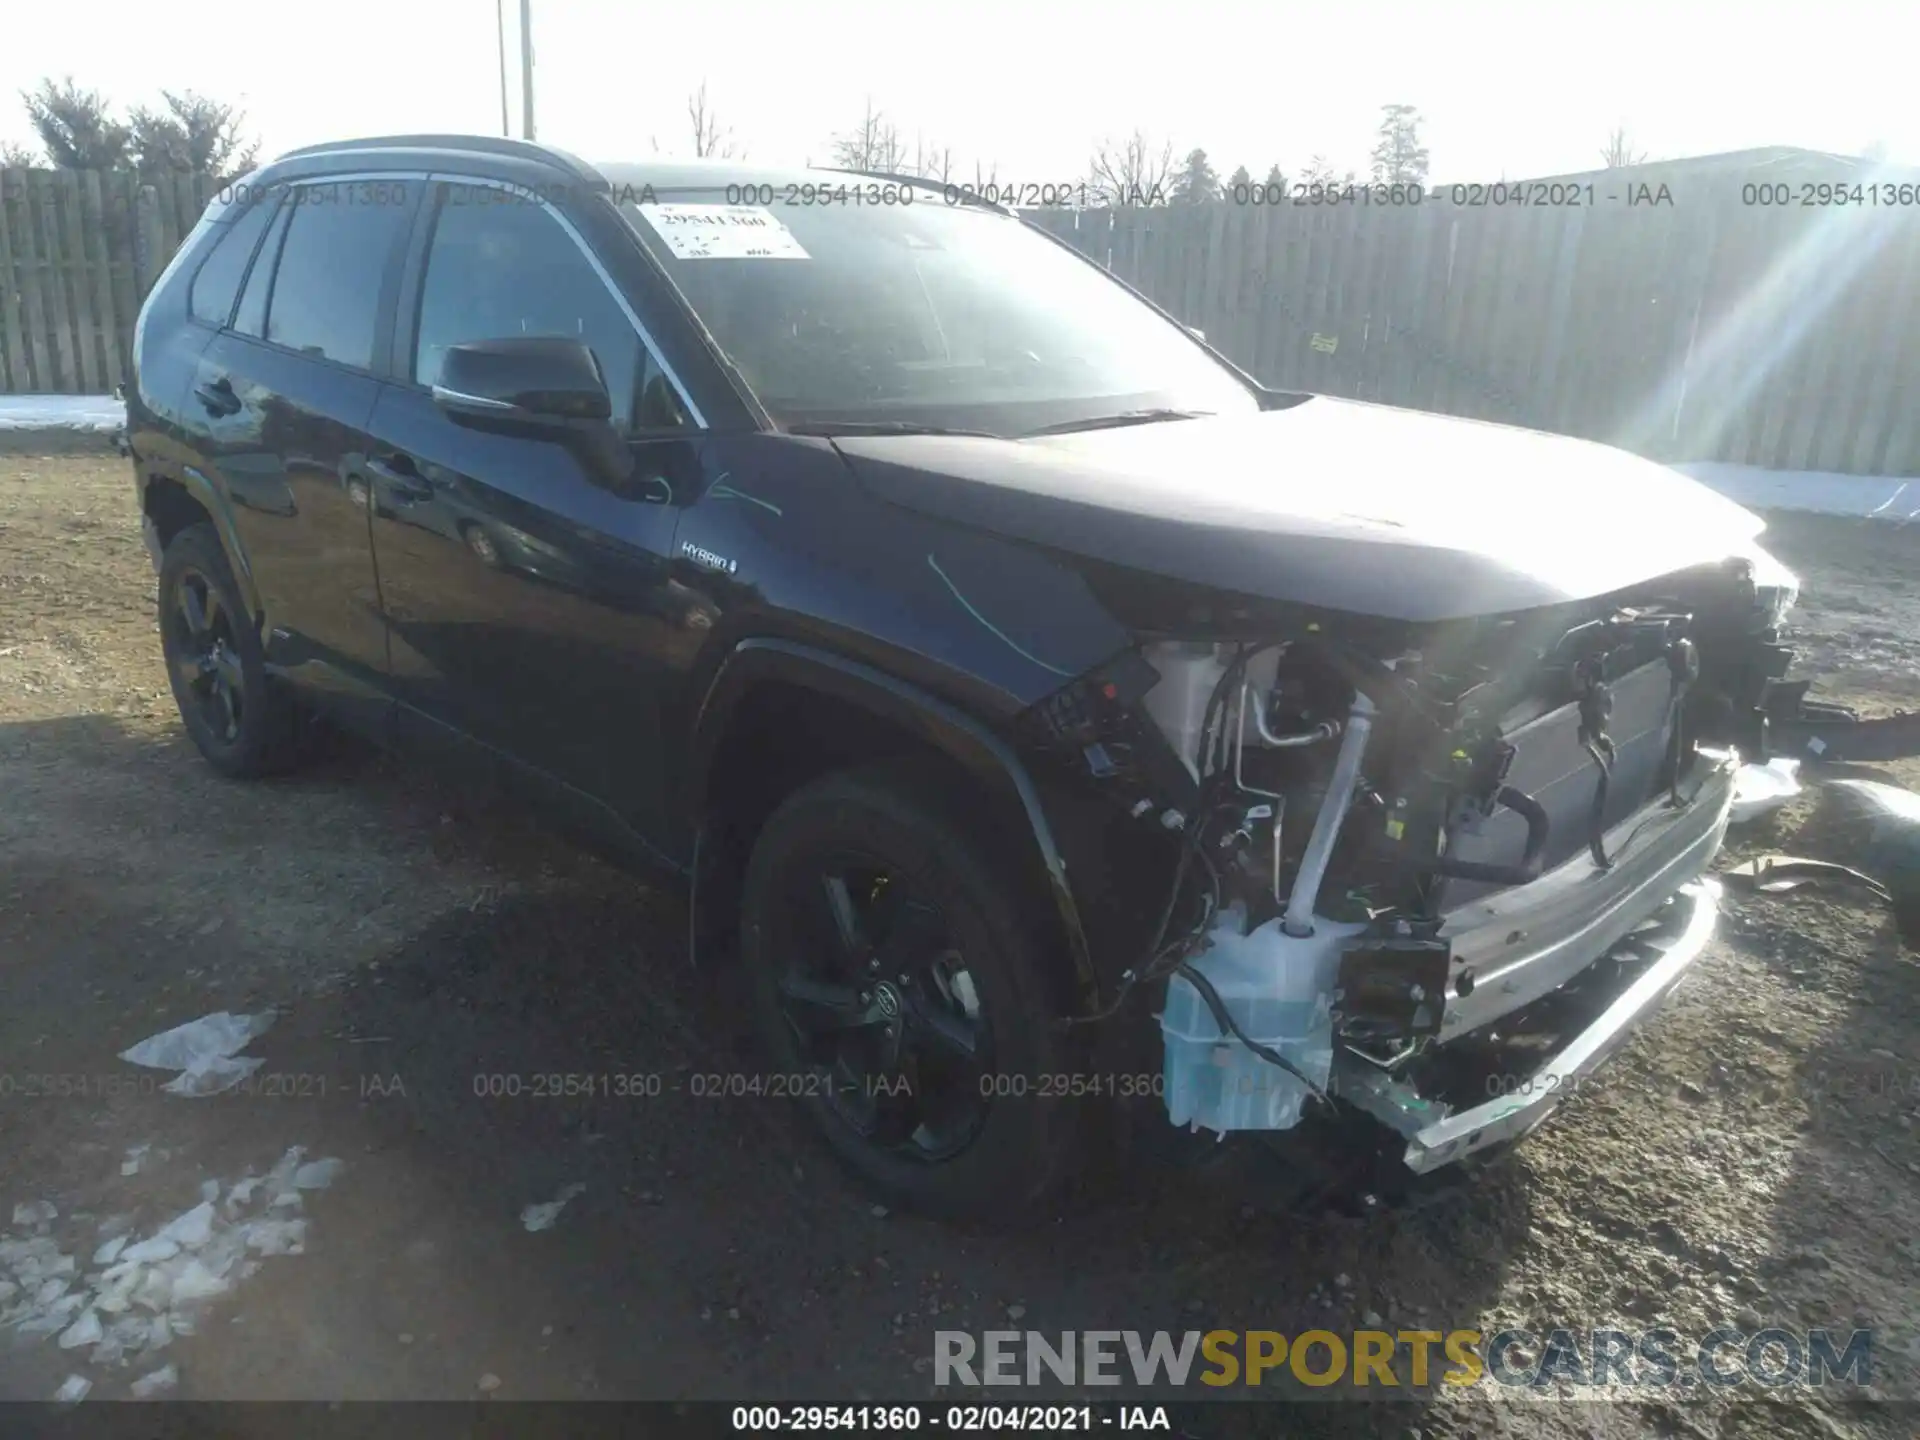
point(529, 382)
point(544, 386)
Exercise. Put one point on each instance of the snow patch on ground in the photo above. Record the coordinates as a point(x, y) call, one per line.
point(1875, 497)
point(62, 412)
point(133, 1298)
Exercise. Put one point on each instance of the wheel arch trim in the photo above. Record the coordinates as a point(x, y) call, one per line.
point(220, 512)
point(948, 729)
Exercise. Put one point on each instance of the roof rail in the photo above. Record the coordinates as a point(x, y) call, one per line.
point(483, 144)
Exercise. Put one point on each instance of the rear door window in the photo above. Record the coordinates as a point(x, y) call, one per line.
point(325, 299)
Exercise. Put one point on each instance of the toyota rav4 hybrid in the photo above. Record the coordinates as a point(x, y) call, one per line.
point(1059, 727)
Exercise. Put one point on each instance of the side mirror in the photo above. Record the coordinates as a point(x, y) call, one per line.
point(547, 387)
point(523, 382)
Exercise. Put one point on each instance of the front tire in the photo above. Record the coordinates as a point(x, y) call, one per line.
point(243, 723)
point(900, 979)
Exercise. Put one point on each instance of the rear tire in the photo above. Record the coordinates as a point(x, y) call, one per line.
point(869, 912)
point(245, 723)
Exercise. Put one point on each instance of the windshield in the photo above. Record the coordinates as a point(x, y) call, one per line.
point(919, 313)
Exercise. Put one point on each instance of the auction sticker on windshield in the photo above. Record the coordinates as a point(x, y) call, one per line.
point(723, 232)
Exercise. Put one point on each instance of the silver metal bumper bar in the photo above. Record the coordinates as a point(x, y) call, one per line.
point(1676, 936)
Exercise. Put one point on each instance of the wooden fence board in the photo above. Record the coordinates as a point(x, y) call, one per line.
point(16, 375)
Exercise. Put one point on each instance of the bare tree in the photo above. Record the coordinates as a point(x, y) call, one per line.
point(75, 127)
point(15, 156)
point(194, 134)
point(710, 140)
point(1132, 172)
point(1318, 172)
point(932, 164)
point(874, 144)
point(1620, 151)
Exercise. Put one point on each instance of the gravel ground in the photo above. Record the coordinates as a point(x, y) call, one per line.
point(1751, 1158)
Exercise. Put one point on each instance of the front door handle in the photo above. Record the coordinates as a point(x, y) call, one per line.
point(216, 396)
point(402, 481)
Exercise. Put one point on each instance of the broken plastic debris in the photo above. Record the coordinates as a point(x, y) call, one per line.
point(110, 1251)
point(317, 1174)
point(72, 1390)
point(190, 1229)
point(541, 1217)
point(213, 1075)
point(136, 1157)
point(84, 1331)
point(1761, 789)
point(159, 1247)
point(196, 1282)
point(161, 1380)
point(202, 1050)
point(277, 1237)
point(35, 1212)
point(209, 1190)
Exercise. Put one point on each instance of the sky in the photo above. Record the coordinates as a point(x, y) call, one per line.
point(1027, 89)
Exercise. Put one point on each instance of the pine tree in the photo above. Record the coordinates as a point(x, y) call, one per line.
point(1196, 183)
point(1398, 156)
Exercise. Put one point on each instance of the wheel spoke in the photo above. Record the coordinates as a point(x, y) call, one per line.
point(226, 665)
point(914, 936)
point(846, 920)
point(895, 1113)
point(193, 609)
point(819, 1007)
point(941, 1027)
point(192, 673)
point(229, 710)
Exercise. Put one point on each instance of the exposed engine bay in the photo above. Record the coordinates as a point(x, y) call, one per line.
point(1352, 810)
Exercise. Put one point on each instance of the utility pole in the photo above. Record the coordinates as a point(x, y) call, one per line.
point(500, 26)
point(526, 69)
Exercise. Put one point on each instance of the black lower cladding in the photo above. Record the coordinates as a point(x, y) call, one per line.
point(1552, 764)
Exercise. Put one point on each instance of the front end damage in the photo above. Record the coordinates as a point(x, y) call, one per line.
point(1431, 874)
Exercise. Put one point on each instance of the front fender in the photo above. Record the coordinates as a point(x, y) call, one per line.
point(950, 730)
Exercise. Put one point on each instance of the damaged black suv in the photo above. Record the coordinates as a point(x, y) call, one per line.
point(1050, 716)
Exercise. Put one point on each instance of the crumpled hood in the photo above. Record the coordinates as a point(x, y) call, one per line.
point(1333, 503)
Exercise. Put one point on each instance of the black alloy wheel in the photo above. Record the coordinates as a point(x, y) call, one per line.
point(883, 1008)
point(909, 996)
point(205, 663)
point(243, 723)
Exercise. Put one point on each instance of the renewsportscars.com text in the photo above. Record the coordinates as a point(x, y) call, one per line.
point(1661, 1358)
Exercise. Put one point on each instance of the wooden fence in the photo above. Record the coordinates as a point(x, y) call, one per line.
point(1691, 325)
point(78, 249)
point(1708, 326)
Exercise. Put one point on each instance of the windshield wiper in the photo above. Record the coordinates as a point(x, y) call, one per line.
point(1114, 422)
point(831, 428)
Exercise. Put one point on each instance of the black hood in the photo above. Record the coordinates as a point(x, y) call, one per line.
point(1336, 504)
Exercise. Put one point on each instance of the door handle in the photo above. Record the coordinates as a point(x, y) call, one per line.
point(402, 481)
point(216, 396)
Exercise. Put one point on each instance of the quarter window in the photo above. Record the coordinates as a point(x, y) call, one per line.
point(499, 267)
point(218, 281)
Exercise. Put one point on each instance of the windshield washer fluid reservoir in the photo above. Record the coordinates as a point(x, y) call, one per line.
point(1279, 990)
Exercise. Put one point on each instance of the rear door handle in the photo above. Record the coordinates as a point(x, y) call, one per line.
point(216, 396)
point(400, 478)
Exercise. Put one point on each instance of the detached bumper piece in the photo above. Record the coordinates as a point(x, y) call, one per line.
point(1646, 965)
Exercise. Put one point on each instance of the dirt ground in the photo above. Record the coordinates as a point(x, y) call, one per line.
point(1751, 1158)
